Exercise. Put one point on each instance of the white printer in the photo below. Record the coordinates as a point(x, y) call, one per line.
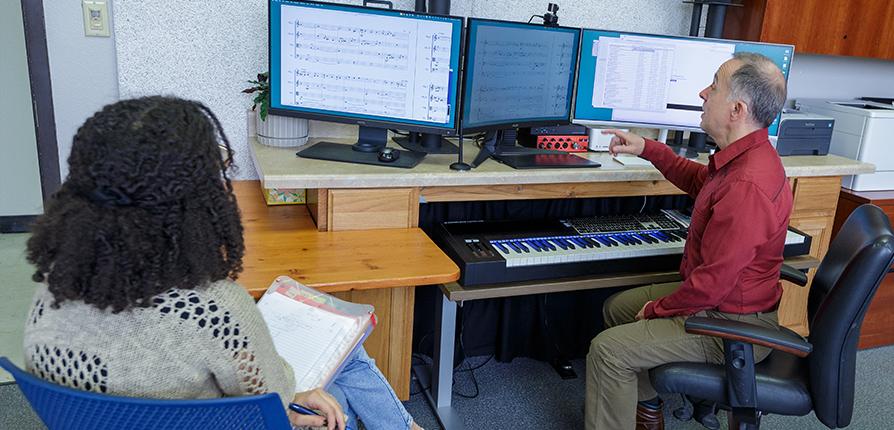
point(863, 131)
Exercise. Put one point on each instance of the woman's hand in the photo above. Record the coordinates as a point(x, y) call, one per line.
point(330, 411)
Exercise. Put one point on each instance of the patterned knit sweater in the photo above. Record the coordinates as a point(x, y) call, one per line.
point(190, 344)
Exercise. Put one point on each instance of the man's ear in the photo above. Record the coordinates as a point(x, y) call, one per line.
point(739, 111)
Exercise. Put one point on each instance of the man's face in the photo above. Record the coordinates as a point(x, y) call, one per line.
point(717, 106)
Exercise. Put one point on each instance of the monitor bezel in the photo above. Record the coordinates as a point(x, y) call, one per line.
point(517, 124)
point(395, 124)
point(634, 124)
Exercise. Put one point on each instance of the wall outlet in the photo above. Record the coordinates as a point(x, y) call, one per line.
point(96, 18)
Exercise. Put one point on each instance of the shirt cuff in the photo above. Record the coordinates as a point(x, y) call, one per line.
point(649, 310)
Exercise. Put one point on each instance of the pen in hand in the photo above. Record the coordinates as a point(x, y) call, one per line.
point(305, 411)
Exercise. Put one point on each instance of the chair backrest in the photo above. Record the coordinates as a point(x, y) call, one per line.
point(65, 408)
point(844, 284)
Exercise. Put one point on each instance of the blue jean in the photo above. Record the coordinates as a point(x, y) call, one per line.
point(364, 393)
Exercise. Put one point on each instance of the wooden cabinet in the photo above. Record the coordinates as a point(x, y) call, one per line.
point(876, 330)
point(859, 28)
point(813, 212)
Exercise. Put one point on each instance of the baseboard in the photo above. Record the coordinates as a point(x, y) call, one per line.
point(16, 224)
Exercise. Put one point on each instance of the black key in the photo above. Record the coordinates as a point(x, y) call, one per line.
point(619, 238)
point(533, 244)
point(559, 243)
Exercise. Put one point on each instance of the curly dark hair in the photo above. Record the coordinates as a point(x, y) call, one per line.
point(147, 206)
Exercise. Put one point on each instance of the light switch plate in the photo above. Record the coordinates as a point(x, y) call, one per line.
point(96, 18)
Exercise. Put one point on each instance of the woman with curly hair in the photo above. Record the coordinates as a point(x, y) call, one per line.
point(138, 253)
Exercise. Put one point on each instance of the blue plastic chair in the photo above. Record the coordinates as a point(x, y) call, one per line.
point(66, 408)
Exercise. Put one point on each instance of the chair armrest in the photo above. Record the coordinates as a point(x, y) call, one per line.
point(795, 276)
point(749, 333)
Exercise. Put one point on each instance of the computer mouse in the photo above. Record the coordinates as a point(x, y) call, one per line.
point(388, 155)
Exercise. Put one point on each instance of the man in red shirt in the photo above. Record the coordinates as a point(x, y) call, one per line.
point(733, 252)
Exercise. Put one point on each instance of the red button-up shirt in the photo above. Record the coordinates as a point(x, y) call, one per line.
point(733, 252)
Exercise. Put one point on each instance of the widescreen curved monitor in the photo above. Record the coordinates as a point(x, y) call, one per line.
point(653, 81)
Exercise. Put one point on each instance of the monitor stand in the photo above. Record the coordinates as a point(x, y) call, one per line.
point(427, 143)
point(678, 145)
point(500, 145)
point(370, 141)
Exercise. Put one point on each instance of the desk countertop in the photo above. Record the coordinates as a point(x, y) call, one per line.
point(282, 240)
point(281, 168)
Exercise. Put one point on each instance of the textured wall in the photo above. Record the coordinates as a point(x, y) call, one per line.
point(207, 50)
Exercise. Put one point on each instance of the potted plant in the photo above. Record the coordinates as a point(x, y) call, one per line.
point(274, 130)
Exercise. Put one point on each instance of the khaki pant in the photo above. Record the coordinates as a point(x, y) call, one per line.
point(620, 356)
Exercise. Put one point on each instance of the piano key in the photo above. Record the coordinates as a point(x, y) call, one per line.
point(595, 243)
point(603, 240)
point(620, 239)
point(559, 242)
point(533, 244)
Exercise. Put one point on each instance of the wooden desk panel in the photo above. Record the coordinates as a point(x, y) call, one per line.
point(876, 329)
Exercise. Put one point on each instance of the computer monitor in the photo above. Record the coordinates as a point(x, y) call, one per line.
point(517, 75)
point(644, 80)
point(377, 68)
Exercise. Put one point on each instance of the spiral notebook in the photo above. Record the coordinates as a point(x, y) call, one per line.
point(313, 331)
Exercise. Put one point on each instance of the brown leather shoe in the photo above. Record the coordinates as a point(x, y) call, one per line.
point(648, 418)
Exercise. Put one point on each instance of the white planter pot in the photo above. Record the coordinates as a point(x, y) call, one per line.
point(281, 131)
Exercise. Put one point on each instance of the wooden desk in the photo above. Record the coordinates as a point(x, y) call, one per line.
point(344, 196)
point(283, 240)
point(360, 266)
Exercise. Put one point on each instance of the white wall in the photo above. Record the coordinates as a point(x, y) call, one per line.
point(83, 71)
point(207, 50)
point(830, 77)
point(20, 192)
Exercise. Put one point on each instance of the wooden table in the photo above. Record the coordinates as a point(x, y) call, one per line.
point(344, 196)
point(283, 240)
point(360, 266)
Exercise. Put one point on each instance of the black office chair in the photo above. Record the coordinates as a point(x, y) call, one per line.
point(799, 375)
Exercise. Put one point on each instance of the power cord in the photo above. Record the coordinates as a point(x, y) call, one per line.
point(457, 369)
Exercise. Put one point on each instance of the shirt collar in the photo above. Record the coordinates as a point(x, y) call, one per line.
point(737, 148)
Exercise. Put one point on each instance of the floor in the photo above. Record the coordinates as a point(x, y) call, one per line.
point(15, 296)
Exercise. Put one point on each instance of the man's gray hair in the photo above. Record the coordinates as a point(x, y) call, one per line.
point(760, 84)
